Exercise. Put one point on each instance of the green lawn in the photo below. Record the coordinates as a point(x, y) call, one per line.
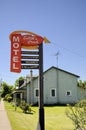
point(55, 118)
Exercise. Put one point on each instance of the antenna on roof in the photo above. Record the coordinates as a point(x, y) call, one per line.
point(57, 54)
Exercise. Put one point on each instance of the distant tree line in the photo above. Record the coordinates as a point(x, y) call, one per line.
point(7, 89)
point(82, 84)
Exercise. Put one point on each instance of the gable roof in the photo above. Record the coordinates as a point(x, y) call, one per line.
point(62, 70)
point(53, 67)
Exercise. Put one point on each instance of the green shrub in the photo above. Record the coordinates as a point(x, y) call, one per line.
point(25, 107)
point(77, 114)
point(8, 98)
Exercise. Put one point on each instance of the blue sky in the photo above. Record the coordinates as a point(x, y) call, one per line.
point(63, 22)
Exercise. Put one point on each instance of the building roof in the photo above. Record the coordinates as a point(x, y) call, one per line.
point(53, 67)
point(63, 71)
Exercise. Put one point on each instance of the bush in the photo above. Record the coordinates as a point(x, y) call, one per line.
point(77, 114)
point(8, 98)
point(25, 107)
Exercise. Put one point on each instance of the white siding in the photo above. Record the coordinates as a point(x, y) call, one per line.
point(61, 82)
point(35, 86)
point(67, 83)
point(50, 82)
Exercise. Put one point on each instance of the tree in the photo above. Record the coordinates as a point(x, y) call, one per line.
point(19, 81)
point(6, 89)
point(82, 84)
point(77, 114)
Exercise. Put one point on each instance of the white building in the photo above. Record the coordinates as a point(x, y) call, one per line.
point(60, 87)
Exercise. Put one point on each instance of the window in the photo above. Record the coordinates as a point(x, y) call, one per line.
point(53, 92)
point(36, 92)
point(68, 93)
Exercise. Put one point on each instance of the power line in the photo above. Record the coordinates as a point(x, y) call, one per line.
point(70, 51)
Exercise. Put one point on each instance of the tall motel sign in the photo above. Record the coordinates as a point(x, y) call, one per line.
point(32, 59)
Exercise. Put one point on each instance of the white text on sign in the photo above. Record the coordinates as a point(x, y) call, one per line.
point(16, 53)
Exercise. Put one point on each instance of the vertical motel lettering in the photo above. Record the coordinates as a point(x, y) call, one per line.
point(15, 53)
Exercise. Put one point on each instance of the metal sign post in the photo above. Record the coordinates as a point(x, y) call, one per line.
point(41, 104)
point(34, 60)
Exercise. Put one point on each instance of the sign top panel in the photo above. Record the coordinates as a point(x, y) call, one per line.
point(29, 40)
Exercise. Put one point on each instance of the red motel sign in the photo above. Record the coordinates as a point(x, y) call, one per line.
point(27, 40)
point(15, 53)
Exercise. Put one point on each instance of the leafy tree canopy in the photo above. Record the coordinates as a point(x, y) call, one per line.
point(82, 84)
point(6, 89)
point(19, 80)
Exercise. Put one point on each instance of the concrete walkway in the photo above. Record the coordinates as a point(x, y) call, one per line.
point(4, 121)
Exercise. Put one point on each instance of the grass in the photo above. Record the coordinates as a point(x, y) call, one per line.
point(55, 118)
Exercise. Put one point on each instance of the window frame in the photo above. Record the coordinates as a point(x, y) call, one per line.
point(36, 89)
point(69, 93)
point(51, 94)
